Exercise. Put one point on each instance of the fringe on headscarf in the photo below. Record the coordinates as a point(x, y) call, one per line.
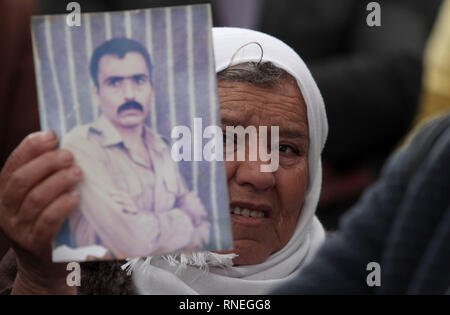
point(201, 260)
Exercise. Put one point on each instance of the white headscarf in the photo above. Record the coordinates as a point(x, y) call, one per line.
point(209, 273)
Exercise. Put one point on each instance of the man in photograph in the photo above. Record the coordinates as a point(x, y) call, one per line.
point(134, 201)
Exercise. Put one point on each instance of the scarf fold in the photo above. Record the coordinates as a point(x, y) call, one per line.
point(211, 273)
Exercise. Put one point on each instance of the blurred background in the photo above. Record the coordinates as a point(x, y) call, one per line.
point(378, 82)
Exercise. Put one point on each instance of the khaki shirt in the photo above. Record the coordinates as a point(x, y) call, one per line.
point(109, 166)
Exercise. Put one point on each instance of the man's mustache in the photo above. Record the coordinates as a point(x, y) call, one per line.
point(130, 105)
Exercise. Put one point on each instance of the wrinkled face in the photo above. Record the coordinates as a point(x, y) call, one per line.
point(278, 196)
point(124, 93)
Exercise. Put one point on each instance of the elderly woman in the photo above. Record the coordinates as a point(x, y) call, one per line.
point(261, 82)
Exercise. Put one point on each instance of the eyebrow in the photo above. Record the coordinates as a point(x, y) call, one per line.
point(108, 79)
point(293, 133)
point(137, 75)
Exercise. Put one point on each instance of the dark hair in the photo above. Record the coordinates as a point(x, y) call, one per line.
point(264, 74)
point(118, 47)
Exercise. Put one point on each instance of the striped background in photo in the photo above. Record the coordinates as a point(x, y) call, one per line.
point(184, 82)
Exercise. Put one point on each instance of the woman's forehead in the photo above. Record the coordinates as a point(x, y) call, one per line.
point(248, 104)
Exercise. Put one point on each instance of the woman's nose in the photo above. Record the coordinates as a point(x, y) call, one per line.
point(249, 173)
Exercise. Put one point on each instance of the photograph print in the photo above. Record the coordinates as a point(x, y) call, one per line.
point(114, 89)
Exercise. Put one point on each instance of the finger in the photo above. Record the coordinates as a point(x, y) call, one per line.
point(31, 147)
point(43, 194)
point(50, 220)
point(25, 178)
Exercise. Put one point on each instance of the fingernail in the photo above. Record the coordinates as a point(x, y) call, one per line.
point(77, 171)
point(47, 135)
point(65, 157)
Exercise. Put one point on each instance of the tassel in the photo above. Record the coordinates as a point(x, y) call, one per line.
point(201, 260)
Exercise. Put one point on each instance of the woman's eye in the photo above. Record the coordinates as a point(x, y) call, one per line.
point(284, 148)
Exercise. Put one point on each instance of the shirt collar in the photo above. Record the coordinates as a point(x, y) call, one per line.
point(112, 137)
point(110, 134)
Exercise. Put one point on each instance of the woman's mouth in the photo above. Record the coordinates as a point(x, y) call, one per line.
point(245, 212)
point(249, 212)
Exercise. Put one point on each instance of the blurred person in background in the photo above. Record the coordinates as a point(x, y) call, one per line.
point(435, 95)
